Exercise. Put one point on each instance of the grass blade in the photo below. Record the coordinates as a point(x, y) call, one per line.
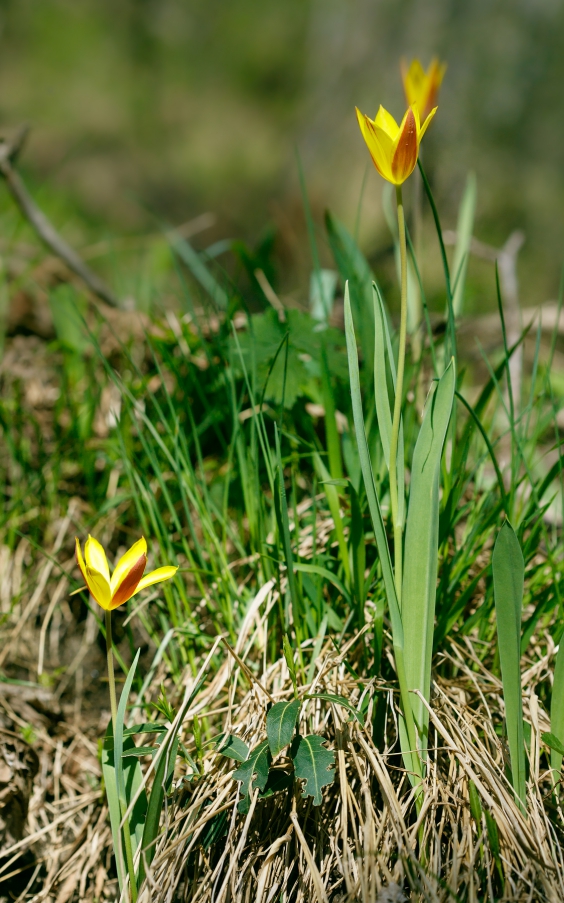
point(557, 710)
point(508, 576)
point(464, 229)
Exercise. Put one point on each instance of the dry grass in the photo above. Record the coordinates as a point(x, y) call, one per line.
point(364, 843)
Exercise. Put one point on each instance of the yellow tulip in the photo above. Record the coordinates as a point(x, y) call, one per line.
point(422, 87)
point(394, 148)
point(127, 578)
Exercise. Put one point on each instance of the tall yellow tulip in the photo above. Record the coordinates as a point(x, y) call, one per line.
point(422, 87)
point(394, 148)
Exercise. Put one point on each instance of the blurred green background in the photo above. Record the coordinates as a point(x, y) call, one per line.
point(146, 111)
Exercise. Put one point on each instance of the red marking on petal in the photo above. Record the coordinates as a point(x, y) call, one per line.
point(405, 156)
point(129, 583)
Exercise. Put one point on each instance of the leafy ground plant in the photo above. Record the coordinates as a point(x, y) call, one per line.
point(353, 686)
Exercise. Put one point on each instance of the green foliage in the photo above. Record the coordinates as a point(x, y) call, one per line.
point(313, 764)
point(422, 545)
point(508, 576)
point(293, 371)
point(281, 723)
point(233, 747)
point(253, 773)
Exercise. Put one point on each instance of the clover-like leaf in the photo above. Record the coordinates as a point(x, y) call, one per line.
point(313, 763)
point(280, 723)
point(253, 773)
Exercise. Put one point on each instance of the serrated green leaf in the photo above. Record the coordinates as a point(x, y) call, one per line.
point(508, 576)
point(553, 743)
point(339, 700)
point(253, 773)
point(312, 764)
point(233, 747)
point(280, 724)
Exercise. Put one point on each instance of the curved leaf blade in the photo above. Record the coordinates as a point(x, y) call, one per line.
point(421, 554)
point(508, 569)
point(339, 700)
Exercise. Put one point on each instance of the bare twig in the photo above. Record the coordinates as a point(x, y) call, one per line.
point(9, 151)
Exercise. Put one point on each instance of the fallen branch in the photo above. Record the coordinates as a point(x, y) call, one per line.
point(9, 151)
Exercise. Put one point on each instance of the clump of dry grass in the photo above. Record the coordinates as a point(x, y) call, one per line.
point(366, 841)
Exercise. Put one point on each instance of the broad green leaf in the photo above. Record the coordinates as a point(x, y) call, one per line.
point(557, 710)
point(280, 724)
point(508, 576)
point(407, 744)
point(338, 700)
point(313, 763)
point(464, 230)
point(123, 780)
point(421, 546)
point(553, 743)
point(253, 773)
point(233, 747)
point(133, 778)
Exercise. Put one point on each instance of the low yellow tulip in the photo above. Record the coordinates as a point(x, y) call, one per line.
point(394, 148)
point(127, 578)
point(422, 87)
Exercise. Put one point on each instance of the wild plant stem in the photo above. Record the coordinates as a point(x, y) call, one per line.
point(111, 678)
point(394, 440)
point(122, 802)
point(394, 495)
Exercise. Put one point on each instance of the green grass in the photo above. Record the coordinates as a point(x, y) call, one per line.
point(219, 462)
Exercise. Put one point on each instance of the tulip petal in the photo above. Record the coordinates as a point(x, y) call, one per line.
point(96, 557)
point(127, 561)
point(99, 587)
point(377, 152)
point(79, 558)
point(155, 577)
point(387, 123)
point(425, 125)
point(406, 149)
point(129, 582)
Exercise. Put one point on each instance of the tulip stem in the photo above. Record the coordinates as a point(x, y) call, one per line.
point(122, 801)
point(394, 441)
point(111, 678)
